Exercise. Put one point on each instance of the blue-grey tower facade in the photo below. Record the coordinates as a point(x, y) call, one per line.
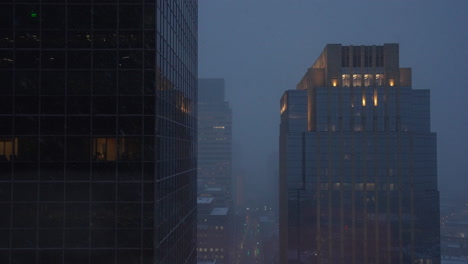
point(215, 218)
point(98, 131)
point(358, 163)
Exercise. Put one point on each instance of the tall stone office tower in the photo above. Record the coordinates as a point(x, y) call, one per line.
point(98, 131)
point(215, 191)
point(358, 165)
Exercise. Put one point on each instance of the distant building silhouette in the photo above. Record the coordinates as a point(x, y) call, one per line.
point(214, 136)
point(98, 131)
point(215, 184)
point(358, 163)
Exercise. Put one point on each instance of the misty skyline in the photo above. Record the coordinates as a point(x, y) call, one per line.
point(263, 47)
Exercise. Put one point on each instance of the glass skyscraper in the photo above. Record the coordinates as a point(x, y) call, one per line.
point(358, 163)
point(98, 131)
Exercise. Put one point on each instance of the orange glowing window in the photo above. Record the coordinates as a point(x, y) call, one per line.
point(375, 98)
point(8, 148)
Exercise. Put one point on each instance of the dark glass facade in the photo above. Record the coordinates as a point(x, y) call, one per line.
point(358, 163)
point(98, 131)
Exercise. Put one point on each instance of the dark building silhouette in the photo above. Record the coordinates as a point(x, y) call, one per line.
point(358, 163)
point(98, 131)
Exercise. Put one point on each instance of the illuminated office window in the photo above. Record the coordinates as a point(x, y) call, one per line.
point(345, 80)
point(356, 80)
point(379, 78)
point(104, 149)
point(367, 80)
point(8, 148)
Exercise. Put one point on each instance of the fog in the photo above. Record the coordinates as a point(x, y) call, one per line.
point(263, 47)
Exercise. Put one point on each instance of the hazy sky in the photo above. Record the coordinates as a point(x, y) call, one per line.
point(264, 47)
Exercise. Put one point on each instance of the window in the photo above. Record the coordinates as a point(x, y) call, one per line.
point(357, 80)
point(105, 59)
point(79, 59)
point(79, 16)
point(130, 125)
point(8, 148)
point(78, 149)
point(130, 82)
point(105, 39)
point(345, 80)
point(53, 59)
point(6, 122)
point(7, 82)
point(6, 16)
point(53, 16)
point(52, 125)
point(27, 39)
point(104, 82)
point(51, 39)
point(130, 17)
point(131, 59)
point(379, 79)
point(367, 79)
point(79, 82)
point(26, 125)
point(27, 16)
point(104, 125)
point(104, 105)
point(51, 149)
point(53, 82)
point(79, 39)
point(104, 149)
point(53, 105)
point(78, 105)
point(27, 59)
point(105, 16)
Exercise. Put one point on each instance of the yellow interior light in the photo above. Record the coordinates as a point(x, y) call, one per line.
point(375, 98)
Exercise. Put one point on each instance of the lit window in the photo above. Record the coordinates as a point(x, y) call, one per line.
point(218, 127)
point(367, 80)
point(356, 80)
point(375, 98)
point(8, 148)
point(104, 148)
point(283, 108)
point(379, 79)
point(334, 82)
point(345, 80)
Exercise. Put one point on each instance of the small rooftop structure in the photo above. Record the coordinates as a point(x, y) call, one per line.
point(204, 200)
point(213, 189)
point(220, 211)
